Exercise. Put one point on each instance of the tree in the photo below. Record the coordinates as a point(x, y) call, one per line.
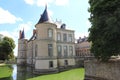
point(105, 30)
point(6, 48)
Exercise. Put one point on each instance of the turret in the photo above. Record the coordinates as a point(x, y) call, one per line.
point(22, 44)
point(46, 37)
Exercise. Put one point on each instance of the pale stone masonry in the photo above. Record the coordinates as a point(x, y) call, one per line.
point(50, 47)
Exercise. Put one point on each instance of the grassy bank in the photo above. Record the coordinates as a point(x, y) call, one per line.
point(5, 71)
point(75, 74)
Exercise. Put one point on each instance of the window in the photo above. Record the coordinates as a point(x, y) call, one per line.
point(50, 64)
point(50, 50)
point(50, 33)
point(66, 62)
point(71, 50)
point(59, 50)
point(58, 37)
point(65, 51)
point(36, 50)
point(21, 54)
point(65, 37)
point(70, 37)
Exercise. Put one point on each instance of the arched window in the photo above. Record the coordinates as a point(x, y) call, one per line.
point(50, 33)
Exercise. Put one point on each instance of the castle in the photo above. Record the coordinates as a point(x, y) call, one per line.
point(50, 48)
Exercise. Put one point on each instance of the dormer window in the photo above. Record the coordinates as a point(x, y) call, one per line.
point(50, 33)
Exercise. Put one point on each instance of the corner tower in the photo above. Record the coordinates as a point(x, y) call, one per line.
point(46, 43)
point(22, 42)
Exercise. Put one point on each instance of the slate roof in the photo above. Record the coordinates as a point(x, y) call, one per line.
point(44, 17)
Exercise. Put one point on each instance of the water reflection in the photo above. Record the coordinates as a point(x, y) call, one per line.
point(22, 72)
point(14, 75)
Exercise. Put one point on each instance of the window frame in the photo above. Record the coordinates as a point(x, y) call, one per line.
point(36, 48)
point(59, 52)
point(70, 39)
point(51, 65)
point(50, 33)
point(58, 36)
point(50, 50)
point(71, 50)
point(64, 37)
point(66, 62)
point(65, 50)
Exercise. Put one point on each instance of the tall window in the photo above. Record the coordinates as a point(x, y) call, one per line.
point(58, 37)
point(50, 50)
point(65, 51)
point(71, 50)
point(50, 64)
point(36, 50)
point(50, 33)
point(70, 37)
point(59, 50)
point(65, 37)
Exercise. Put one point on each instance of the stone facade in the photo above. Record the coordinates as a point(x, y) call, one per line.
point(82, 47)
point(51, 47)
point(82, 50)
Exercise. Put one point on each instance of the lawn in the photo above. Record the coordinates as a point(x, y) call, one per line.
point(75, 74)
point(5, 71)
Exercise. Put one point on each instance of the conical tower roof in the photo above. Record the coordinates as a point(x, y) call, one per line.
point(44, 17)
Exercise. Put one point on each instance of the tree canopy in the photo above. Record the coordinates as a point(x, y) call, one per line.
point(6, 48)
point(105, 30)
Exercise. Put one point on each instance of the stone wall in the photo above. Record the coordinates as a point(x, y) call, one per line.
point(95, 70)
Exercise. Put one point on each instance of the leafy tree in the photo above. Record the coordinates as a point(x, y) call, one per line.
point(105, 29)
point(6, 48)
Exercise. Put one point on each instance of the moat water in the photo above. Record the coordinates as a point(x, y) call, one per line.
point(20, 73)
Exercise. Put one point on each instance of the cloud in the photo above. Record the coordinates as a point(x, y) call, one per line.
point(44, 2)
point(6, 33)
point(48, 2)
point(13, 36)
point(61, 2)
point(31, 2)
point(25, 26)
point(15, 33)
point(50, 12)
point(7, 17)
point(77, 35)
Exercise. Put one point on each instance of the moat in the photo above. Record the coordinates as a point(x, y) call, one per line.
point(21, 73)
point(25, 73)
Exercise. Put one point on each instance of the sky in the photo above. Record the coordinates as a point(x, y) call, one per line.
point(18, 14)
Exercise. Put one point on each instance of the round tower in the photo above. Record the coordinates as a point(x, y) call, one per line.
point(46, 43)
point(22, 44)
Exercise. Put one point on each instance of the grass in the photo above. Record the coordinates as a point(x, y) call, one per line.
point(5, 71)
point(75, 74)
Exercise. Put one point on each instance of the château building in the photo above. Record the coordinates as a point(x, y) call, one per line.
point(82, 51)
point(82, 47)
point(50, 48)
